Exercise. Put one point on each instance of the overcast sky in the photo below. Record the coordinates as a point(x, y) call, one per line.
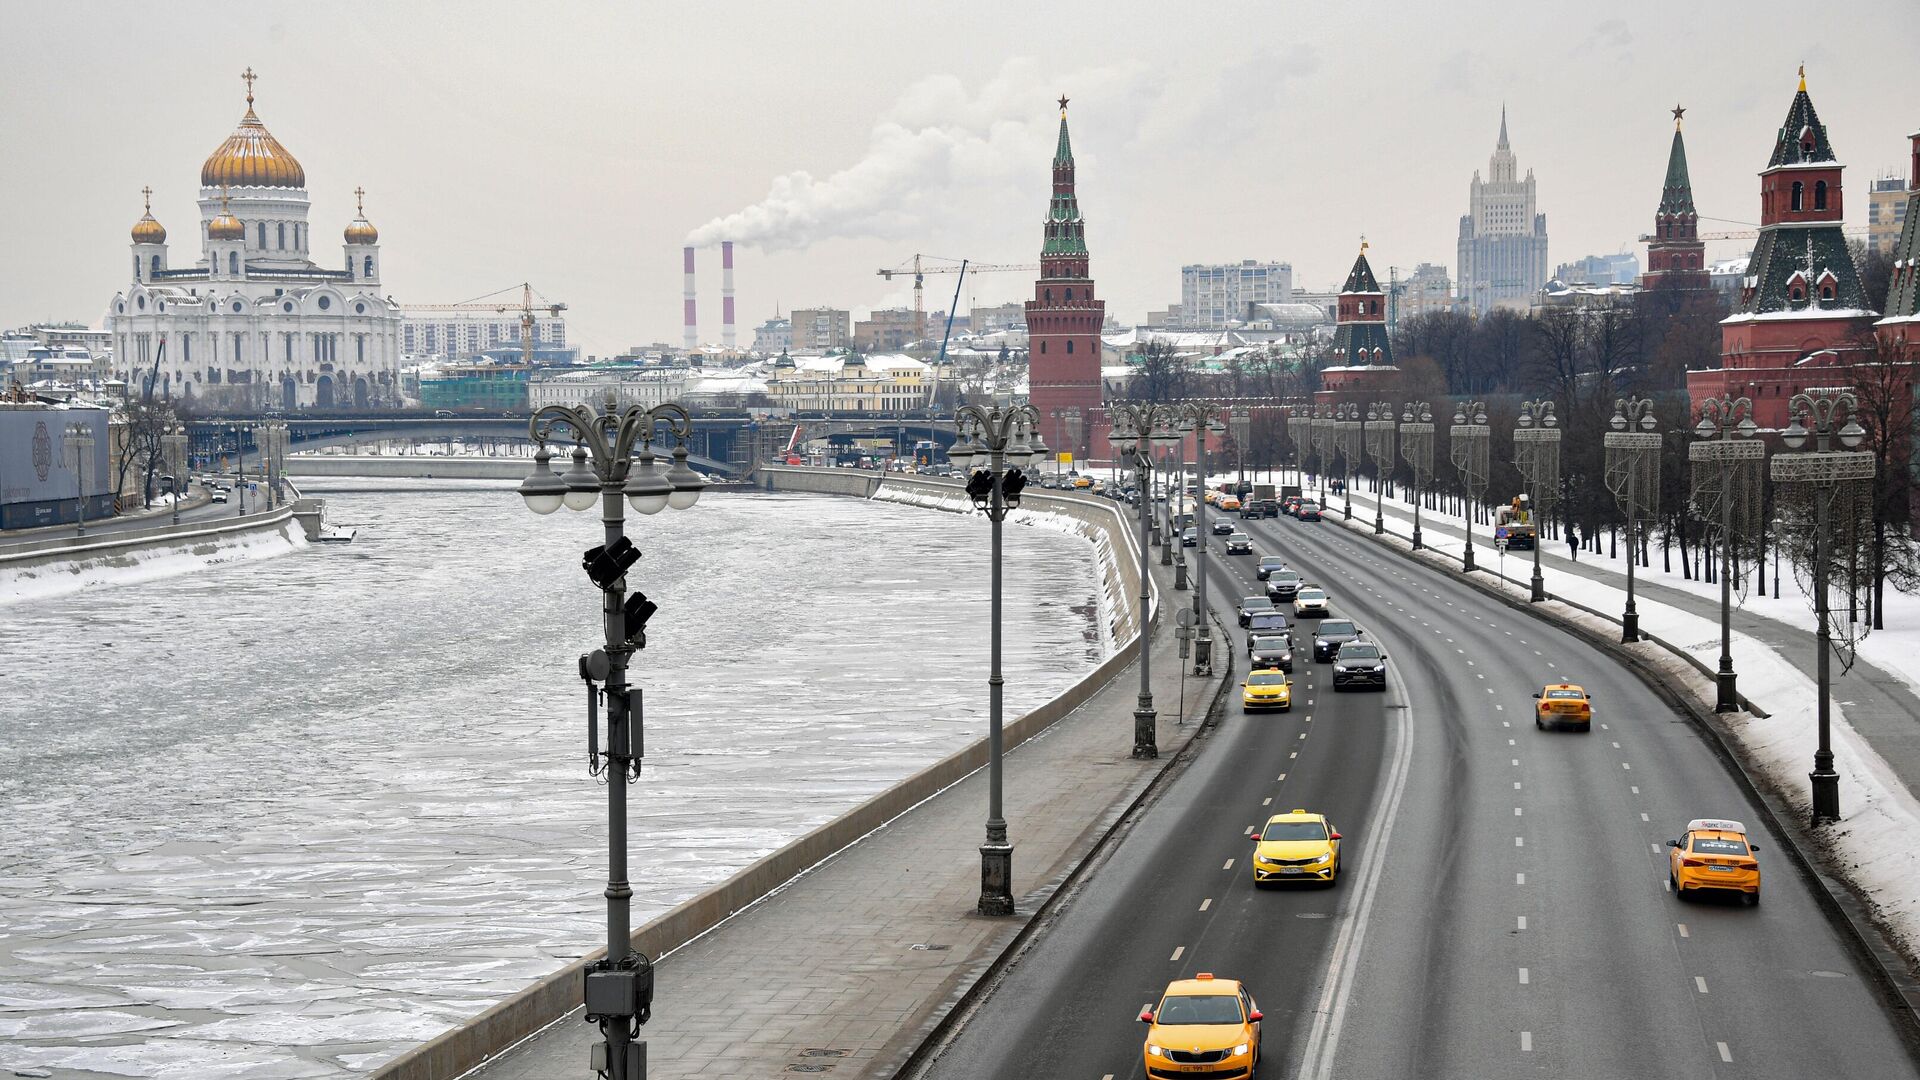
point(577, 146)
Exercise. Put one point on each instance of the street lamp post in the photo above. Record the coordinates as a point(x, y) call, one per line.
point(1242, 423)
point(276, 452)
point(614, 464)
point(1347, 427)
point(1379, 433)
point(240, 433)
point(1416, 448)
point(1467, 446)
point(175, 440)
point(1199, 418)
point(1536, 453)
point(1633, 476)
point(997, 444)
point(1134, 430)
point(1170, 472)
point(80, 446)
point(1300, 433)
point(1323, 422)
point(1726, 469)
point(1826, 475)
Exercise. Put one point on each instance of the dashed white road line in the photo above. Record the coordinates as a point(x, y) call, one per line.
point(1523, 976)
point(1178, 950)
point(1207, 903)
point(1516, 785)
point(1267, 801)
point(1526, 1042)
point(1726, 1055)
point(1519, 841)
point(1229, 865)
point(1519, 879)
point(1644, 817)
point(1700, 983)
point(1522, 922)
point(1516, 811)
point(1683, 929)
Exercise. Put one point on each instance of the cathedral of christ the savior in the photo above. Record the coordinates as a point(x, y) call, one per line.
point(254, 323)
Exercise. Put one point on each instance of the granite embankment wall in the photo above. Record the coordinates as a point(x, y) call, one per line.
point(49, 567)
point(558, 995)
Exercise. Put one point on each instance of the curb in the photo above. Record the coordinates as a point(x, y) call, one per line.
point(1846, 909)
point(928, 1047)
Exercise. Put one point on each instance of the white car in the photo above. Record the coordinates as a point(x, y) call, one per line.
point(1310, 603)
point(218, 496)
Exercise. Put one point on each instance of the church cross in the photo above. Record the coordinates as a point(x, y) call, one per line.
point(146, 193)
point(360, 201)
point(249, 76)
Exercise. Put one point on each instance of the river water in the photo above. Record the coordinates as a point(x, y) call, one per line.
point(288, 817)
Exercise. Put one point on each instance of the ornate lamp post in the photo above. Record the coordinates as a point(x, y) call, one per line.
point(1347, 432)
point(240, 433)
point(1536, 453)
point(1199, 419)
point(80, 448)
point(1300, 433)
point(614, 464)
point(1170, 471)
point(1633, 476)
point(996, 444)
point(276, 460)
point(1241, 421)
point(1379, 433)
point(174, 439)
point(1323, 422)
point(1468, 446)
point(1135, 430)
point(1726, 486)
point(1416, 449)
point(1824, 475)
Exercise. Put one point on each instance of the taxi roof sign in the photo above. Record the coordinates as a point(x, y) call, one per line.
point(1707, 824)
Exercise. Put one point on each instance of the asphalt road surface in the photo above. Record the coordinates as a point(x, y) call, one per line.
point(1503, 909)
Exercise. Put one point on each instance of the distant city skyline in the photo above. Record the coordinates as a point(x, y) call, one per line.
point(582, 165)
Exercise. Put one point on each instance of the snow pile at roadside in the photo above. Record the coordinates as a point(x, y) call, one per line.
point(132, 566)
point(1875, 806)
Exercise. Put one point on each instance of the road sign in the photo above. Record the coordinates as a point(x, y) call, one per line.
point(1183, 618)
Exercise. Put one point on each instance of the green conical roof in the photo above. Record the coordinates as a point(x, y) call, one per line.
point(1063, 150)
point(1789, 148)
point(1066, 233)
point(1676, 196)
point(1360, 279)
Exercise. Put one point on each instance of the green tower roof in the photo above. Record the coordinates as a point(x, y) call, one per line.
point(1676, 196)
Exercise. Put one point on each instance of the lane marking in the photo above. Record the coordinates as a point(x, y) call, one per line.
point(1516, 785)
point(1504, 723)
point(1510, 742)
point(1283, 776)
point(1516, 763)
point(1323, 1041)
point(1519, 879)
point(1644, 817)
point(1523, 922)
point(1526, 1042)
point(1523, 976)
point(1616, 746)
point(1303, 734)
point(1683, 929)
point(1635, 790)
point(1293, 755)
point(1519, 841)
point(1700, 983)
point(1516, 810)
point(1229, 865)
point(1624, 765)
point(1726, 1055)
point(1269, 802)
point(1207, 903)
point(1177, 950)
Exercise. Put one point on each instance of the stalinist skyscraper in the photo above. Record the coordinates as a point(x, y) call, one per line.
point(1503, 236)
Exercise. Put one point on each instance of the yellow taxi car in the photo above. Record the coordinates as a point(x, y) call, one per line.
point(1296, 846)
point(1563, 705)
point(1714, 857)
point(1266, 689)
point(1203, 1026)
point(1082, 482)
point(1228, 503)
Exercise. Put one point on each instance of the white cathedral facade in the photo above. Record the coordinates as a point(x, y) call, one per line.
point(254, 323)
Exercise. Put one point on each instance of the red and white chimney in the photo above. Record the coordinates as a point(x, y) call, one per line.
point(726, 294)
point(692, 327)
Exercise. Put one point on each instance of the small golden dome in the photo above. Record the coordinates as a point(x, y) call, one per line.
point(251, 156)
point(147, 230)
point(362, 230)
point(225, 226)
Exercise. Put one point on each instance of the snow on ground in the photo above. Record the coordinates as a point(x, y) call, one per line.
point(133, 567)
point(1875, 804)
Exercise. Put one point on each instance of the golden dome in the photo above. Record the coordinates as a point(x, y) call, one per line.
point(225, 226)
point(147, 230)
point(251, 156)
point(362, 230)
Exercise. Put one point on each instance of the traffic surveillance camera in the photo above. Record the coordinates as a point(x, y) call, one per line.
point(607, 564)
point(635, 613)
point(1011, 487)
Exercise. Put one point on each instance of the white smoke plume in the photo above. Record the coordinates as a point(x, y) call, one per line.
point(934, 143)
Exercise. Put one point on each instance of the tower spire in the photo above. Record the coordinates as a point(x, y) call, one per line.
point(1676, 194)
point(1063, 150)
point(1503, 126)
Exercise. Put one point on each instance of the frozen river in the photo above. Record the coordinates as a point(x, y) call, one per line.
point(285, 818)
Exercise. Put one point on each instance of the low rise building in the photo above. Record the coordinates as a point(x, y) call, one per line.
point(645, 387)
point(849, 382)
point(773, 337)
point(987, 320)
point(890, 330)
point(468, 387)
point(818, 330)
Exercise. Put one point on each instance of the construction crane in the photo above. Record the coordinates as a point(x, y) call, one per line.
point(920, 270)
point(1750, 234)
point(526, 308)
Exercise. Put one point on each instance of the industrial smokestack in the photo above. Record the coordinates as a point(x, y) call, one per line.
point(726, 294)
point(692, 327)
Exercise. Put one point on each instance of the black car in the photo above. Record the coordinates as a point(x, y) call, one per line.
point(1190, 537)
point(1259, 508)
point(1330, 635)
point(1309, 511)
point(1222, 527)
point(1269, 564)
point(1359, 664)
point(1282, 585)
point(1267, 622)
point(1252, 605)
point(1270, 651)
point(1239, 544)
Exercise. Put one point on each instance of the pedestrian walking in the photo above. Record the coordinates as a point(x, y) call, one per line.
point(1573, 542)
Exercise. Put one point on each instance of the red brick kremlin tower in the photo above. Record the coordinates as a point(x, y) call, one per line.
point(1676, 257)
point(1362, 352)
point(1802, 317)
point(1900, 329)
point(1064, 319)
